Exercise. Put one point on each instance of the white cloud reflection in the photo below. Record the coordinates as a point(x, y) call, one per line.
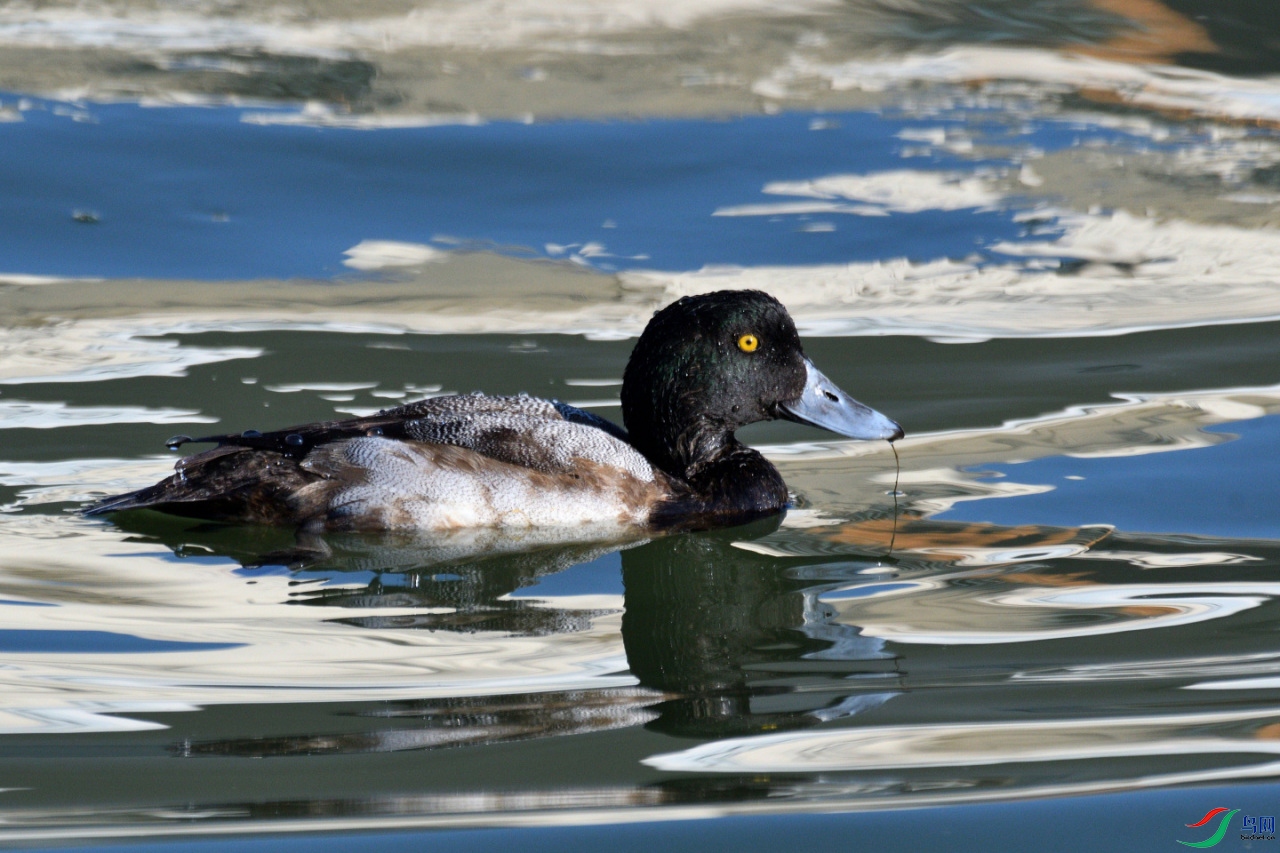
point(798, 208)
point(317, 114)
point(1159, 87)
point(91, 350)
point(961, 745)
point(380, 254)
point(899, 190)
point(1031, 614)
point(20, 414)
point(486, 24)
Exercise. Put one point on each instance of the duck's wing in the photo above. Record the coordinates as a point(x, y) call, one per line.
point(518, 429)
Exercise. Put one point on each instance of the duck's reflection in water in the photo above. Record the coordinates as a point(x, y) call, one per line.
point(740, 639)
point(465, 595)
point(722, 639)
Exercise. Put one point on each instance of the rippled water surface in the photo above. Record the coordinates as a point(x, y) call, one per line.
point(1040, 235)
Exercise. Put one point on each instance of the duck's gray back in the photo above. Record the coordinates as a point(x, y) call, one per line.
point(544, 435)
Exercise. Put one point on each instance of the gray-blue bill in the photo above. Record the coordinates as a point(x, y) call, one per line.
point(823, 404)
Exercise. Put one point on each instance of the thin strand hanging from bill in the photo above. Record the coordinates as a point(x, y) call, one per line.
point(897, 474)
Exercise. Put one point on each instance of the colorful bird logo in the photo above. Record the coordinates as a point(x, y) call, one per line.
point(1219, 834)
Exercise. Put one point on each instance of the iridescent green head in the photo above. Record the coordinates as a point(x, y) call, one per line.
point(709, 364)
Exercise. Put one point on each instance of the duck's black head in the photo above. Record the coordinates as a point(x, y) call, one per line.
point(707, 365)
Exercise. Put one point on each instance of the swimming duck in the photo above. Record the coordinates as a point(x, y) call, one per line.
point(703, 367)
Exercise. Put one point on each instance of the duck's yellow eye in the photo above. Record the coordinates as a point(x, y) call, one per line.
point(748, 343)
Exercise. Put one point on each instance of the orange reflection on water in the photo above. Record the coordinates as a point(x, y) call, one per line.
point(1159, 33)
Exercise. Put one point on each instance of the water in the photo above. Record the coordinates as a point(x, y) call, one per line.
point(1039, 236)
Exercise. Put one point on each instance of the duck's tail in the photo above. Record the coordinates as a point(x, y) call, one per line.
point(225, 483)
point(141, 499)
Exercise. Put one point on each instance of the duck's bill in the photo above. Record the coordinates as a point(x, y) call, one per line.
point(824, 405)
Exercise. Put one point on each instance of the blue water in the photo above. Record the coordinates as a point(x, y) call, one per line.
point(197, 193)
point(1226, 489)
point(601, 576)
point(93, 642)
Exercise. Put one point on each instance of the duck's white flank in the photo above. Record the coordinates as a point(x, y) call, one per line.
point(378, 483)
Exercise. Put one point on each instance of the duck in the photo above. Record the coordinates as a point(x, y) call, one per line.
point(704, 366)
